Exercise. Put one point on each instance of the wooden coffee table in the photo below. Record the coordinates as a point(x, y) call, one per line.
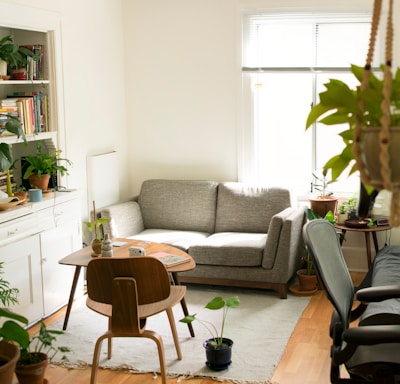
point(82, 257)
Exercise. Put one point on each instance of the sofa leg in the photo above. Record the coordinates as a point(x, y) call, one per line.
point(282, 290)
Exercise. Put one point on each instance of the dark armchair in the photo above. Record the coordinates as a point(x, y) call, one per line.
point(369, 353)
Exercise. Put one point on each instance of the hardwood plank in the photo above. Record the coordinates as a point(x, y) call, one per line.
point(305, 360)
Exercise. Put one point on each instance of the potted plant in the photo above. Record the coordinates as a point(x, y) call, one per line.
point(12, 334)
point(32, 364)
point(218, 348)
point(42, 165)
point(14, 56)
point(340, 104)
point(324, 202)
point(94, 227)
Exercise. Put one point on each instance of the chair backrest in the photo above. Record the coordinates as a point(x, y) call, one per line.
point(325, 250)
point(150, 275)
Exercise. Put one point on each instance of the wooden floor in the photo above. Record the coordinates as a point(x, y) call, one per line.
point(305, 360)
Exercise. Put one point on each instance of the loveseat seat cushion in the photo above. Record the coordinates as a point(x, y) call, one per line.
point(230, 249)
point(249, 209)
point(179, 239)
point(179, 204)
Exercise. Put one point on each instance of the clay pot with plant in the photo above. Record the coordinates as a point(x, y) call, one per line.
point(12, 334)
point(218, 348)
point(325, 201)
point(42, 165)
point(34, 359)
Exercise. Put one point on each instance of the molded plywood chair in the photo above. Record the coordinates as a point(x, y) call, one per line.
point(370, 353)
point(128, 290)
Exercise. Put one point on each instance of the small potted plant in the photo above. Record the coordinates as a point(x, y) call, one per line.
point(15, 57)
point(325, 201)
point(12, 333)
point(42, 165)
point(218, 348)
point(94, 227)
point(32, 364)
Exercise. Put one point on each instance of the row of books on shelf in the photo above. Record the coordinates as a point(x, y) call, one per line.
point(31, 108)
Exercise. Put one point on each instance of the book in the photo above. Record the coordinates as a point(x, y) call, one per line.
point(168, 259)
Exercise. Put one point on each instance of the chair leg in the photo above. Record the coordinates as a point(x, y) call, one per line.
point(160, 347)
point(174, 332)
point(96, 356)
point(109, 343)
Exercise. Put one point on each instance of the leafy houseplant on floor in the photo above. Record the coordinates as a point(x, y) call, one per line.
point(31, 366)
point(218, 348)
point(12, 333)
point(42, 166)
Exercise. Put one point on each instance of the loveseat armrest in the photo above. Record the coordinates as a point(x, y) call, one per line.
point(125, 219)
point(285, 247)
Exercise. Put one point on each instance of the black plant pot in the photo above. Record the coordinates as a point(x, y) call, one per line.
point(218, 358)
point(365, 202)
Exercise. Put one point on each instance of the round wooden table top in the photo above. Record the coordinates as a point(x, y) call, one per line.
point(375, 228)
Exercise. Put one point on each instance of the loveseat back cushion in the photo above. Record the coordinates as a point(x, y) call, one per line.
point(125, 219)
point(187, 205)
point(246, 208)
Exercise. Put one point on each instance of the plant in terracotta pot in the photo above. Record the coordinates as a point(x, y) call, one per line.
point(324, 202)
point(42, 165)
point(12, 333)
point(218, 348)
point(34, 359)
point(94, 227)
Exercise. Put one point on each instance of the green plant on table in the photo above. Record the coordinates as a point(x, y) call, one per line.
point(94, 227)
point(217, 303)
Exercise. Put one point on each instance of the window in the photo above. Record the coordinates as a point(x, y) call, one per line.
point(286, 60)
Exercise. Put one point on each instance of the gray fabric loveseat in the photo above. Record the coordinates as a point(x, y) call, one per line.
point(238, 235)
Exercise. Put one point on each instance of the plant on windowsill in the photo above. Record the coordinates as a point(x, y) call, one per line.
point(42, 165)
point(218, 348)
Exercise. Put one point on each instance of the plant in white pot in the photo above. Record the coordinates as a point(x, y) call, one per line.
point(218, 348)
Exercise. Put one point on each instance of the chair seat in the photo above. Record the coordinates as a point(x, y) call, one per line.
point(147, 310)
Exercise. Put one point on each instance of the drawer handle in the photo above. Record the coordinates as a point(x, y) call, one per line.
point(12, 233)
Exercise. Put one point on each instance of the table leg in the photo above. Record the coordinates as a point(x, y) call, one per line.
point(368, 245)
point(183, 303)
point(72, 295)
point(375, 239)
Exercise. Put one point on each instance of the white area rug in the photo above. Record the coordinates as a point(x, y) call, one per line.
point(260, 328)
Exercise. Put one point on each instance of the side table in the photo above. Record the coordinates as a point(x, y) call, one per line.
point(367, 232)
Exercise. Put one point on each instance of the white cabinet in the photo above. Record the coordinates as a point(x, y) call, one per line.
point(23, 270)
point(33, 239)
point(57, 243)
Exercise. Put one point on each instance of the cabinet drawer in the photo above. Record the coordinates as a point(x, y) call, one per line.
point(18, 229)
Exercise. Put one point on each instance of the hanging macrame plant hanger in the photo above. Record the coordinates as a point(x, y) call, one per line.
point(374, 148)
